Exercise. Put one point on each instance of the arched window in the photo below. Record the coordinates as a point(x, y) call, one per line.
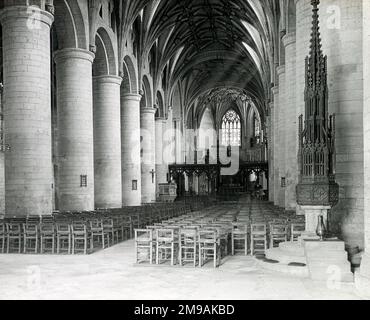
point(231, 129)
point(257, 127)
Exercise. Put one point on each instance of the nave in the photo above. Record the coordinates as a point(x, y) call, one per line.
point(113, 274)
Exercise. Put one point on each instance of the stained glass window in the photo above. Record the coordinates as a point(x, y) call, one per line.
point(231, 129)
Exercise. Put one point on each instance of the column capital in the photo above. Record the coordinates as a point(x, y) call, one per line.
point(73, 53)
point(149, 110)
point(132, 96)
point(31, 14)
point(275, 90)
point(160, 119)
point(280, 69)
point(289, 39)
point(108, 79)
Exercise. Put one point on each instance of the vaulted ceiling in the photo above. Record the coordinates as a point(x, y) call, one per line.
point(209, 44)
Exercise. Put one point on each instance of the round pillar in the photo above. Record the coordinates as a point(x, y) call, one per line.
point(280, 131)
point(160, 164)
point(148, 155)
point(291, 123)
point(275, 156)
point(130, 141)
point(27, 111)
point(75, 129)
point(107, 141)
point(342, 39)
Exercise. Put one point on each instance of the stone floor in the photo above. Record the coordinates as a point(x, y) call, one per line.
point(111, 274)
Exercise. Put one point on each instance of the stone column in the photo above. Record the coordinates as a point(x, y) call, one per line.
point(27, 110)
point(160, 163)
point(275, 138)
point(2, 156)
point(280, 130)
point(363, 277)
point(75, 129)
point(107, 142)
point(178, 141)
point(130, 142)
point(291, 123)
point(342, 42)
point(271, 152)
point(148, 155)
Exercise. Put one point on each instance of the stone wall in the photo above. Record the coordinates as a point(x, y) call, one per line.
point(342, 43)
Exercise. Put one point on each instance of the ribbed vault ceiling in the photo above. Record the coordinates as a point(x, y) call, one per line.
point(208, 43)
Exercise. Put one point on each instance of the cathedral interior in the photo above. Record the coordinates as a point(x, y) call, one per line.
point(230, 135)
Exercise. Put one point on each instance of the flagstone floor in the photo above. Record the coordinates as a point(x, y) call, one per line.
point(111, 274)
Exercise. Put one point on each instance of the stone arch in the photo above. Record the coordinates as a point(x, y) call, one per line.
point(105, 57)
point(129, 75)
point(70, 25)
point(160, 105)
point(148, 92)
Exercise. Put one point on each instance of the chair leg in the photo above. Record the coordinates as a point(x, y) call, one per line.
point(232, 245)
point(172, 254)
point(85, 245)
point(92, 242)
point(19, 244)
point(157, 254)
point(180, 255)
point(200, 256)
point(246, 245)
point(215, 256)
point(25, 245)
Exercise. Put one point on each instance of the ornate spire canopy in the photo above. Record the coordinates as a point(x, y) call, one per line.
point(317, 133)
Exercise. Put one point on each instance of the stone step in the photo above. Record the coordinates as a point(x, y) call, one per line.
point(292, 247)
point(332, 273)
point(285, 257)
point(301, 272)
point(324, 246)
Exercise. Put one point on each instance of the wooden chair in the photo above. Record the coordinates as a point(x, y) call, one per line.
point(108, 227)
point(209, 246)
point(127, 228)
point(97, 231)
point(30, 236)
point(47, 236)
point(239, 238)
point(144, 245)
point(64, 237)
point(258, 238)
point(188, 246)
point(166, 246)
point(278, 234)
point(296, 230)
point(80, 237)
point(2, 236)
point(13, 236)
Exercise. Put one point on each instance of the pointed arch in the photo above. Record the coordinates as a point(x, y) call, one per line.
point(148, 92)
point(129, 75)
point(70, 25)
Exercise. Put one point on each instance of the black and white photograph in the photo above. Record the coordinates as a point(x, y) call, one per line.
point(154, 151)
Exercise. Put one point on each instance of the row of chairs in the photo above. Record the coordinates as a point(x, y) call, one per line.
point(75, 232)
point(212, 231)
